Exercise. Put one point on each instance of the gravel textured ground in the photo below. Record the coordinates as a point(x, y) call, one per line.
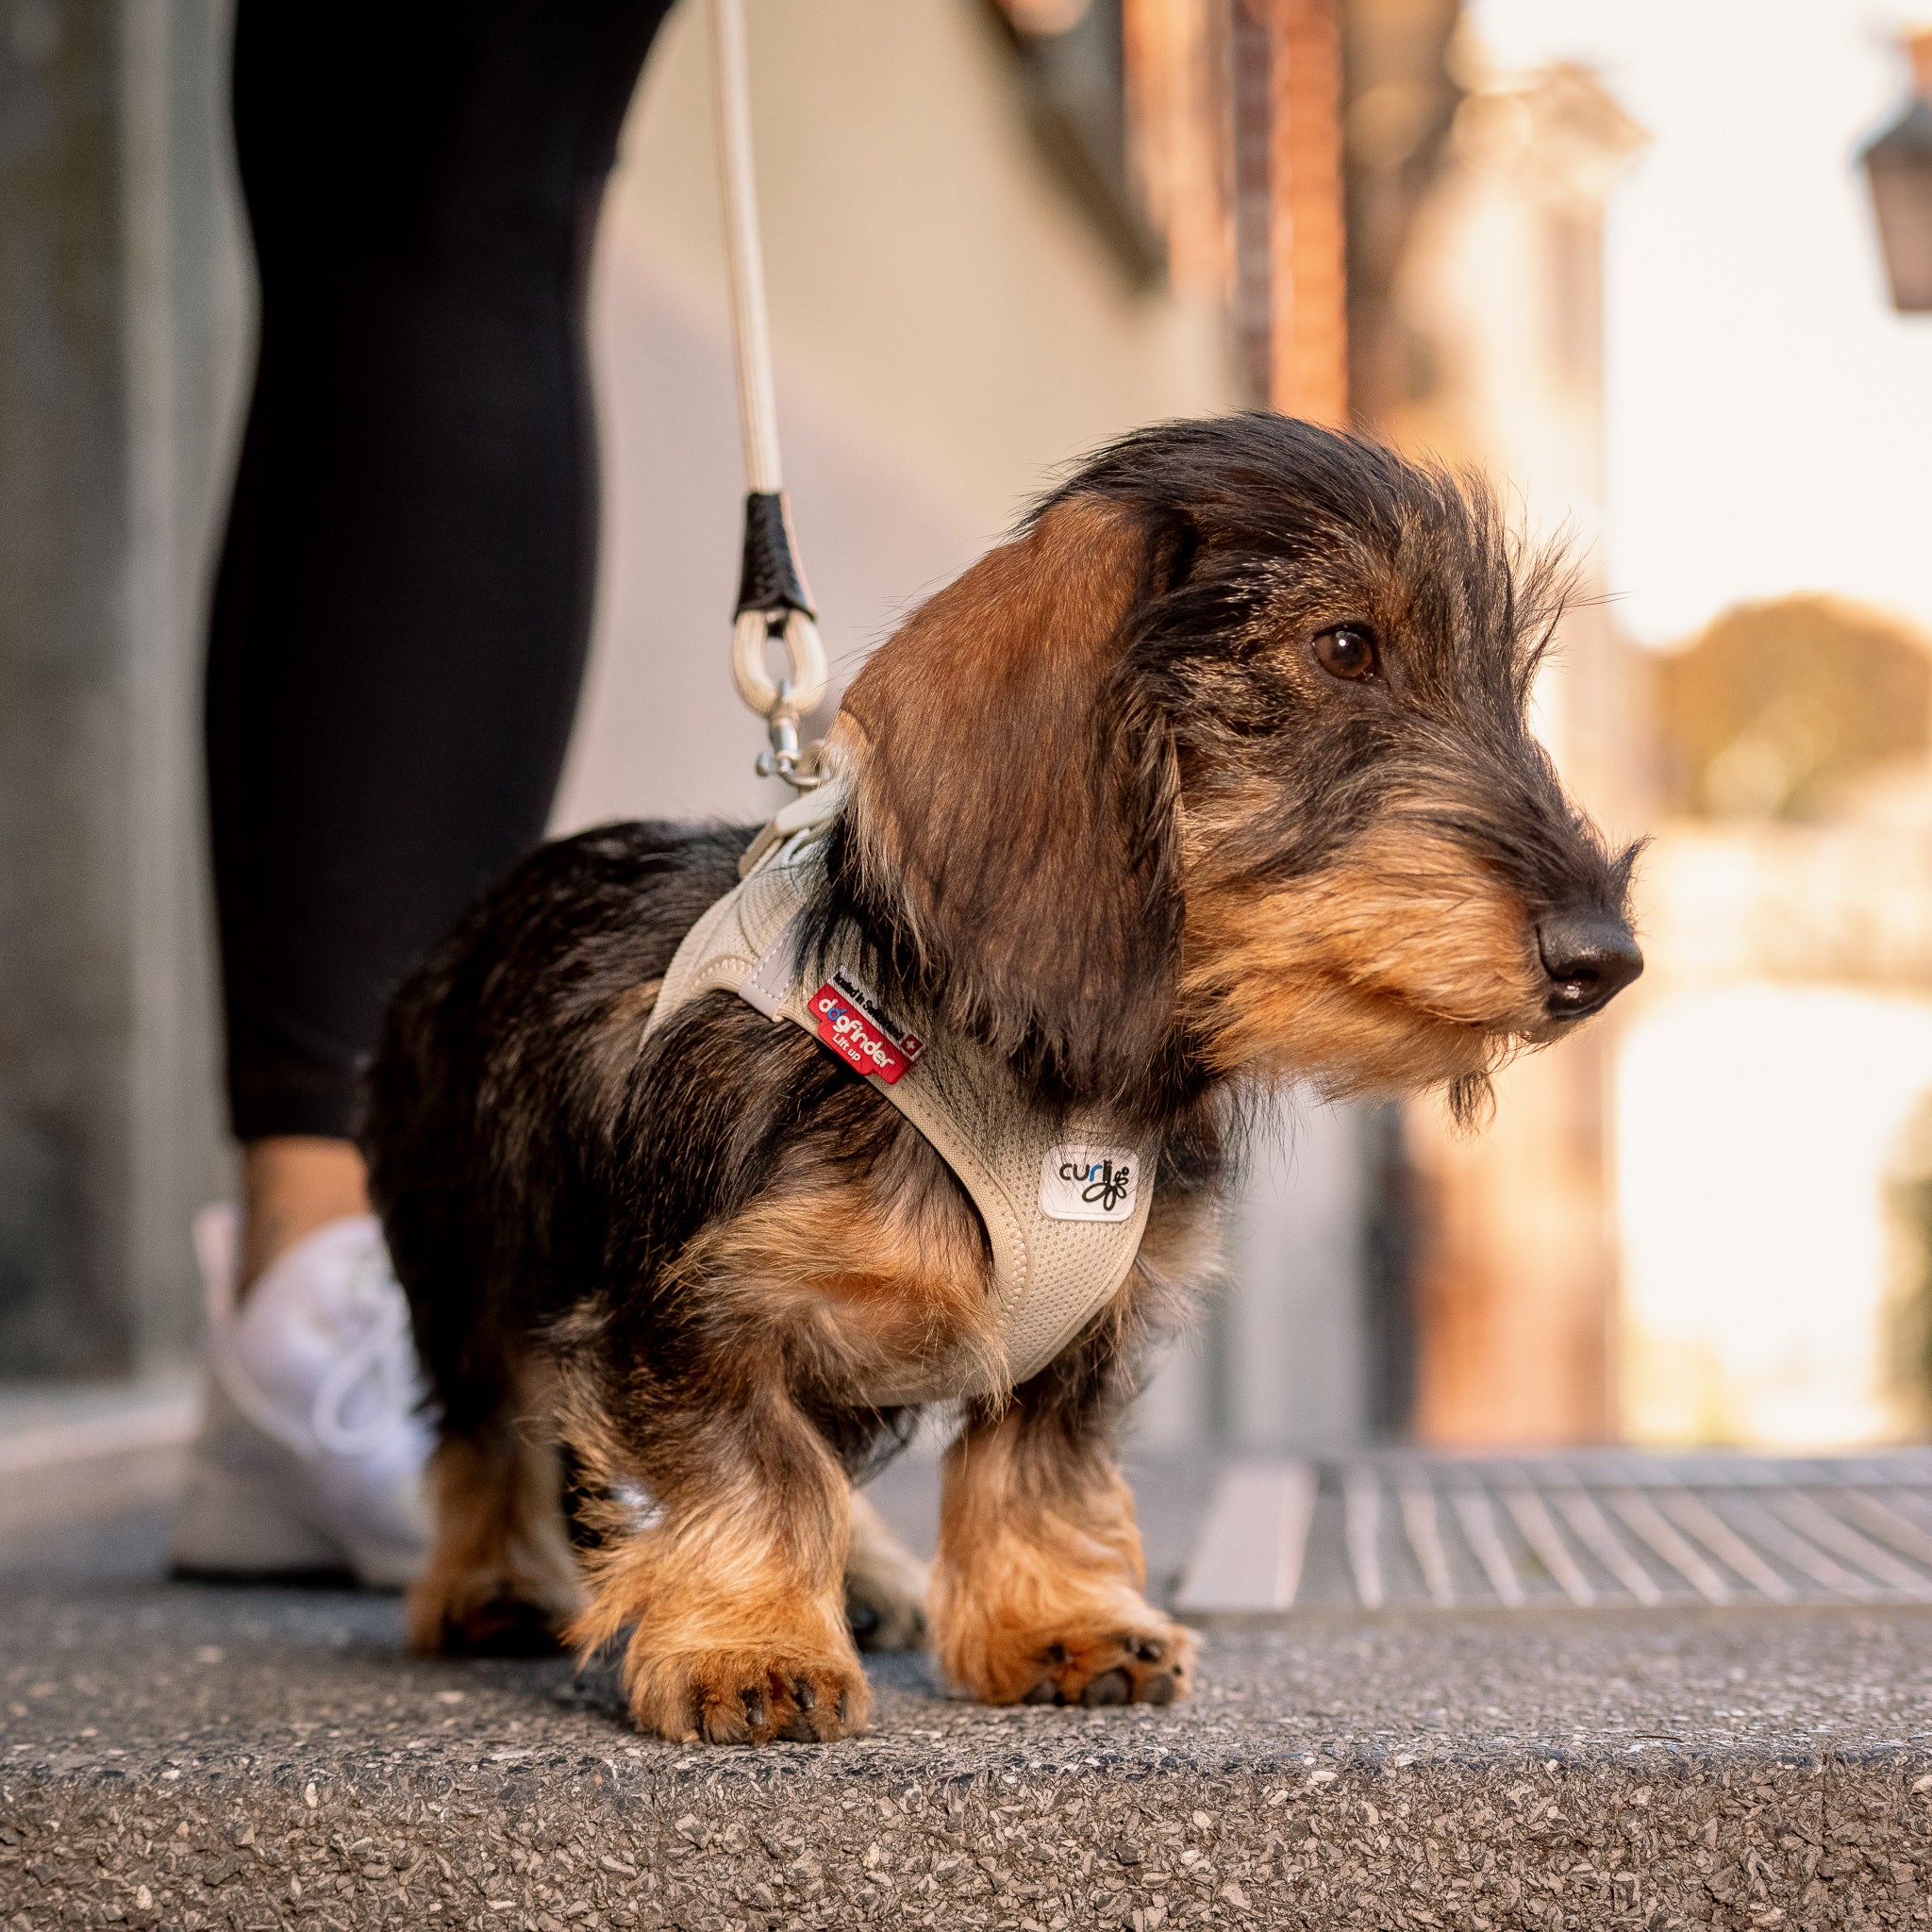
point(185, 1757)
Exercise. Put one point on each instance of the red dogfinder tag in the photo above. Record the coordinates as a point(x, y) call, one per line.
point(855, 1026)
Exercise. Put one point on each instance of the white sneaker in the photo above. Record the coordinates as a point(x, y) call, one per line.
point(312, 1444)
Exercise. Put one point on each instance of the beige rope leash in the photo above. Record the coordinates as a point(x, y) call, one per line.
point(773, 600)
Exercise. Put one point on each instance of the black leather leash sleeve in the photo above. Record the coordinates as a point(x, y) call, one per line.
point(770, 580)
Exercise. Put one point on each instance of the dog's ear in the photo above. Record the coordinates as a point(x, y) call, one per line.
point(1012, 825)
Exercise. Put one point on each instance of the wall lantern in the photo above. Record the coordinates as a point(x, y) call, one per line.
point(1898, 163)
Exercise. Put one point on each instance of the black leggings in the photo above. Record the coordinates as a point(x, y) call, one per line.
point(404, 598)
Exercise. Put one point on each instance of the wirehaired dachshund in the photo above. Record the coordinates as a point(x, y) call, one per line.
point(1217, 775)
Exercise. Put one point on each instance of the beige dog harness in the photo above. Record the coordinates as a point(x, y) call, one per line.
point(1064, 1199)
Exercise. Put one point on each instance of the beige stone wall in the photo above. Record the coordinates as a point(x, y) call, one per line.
point(929, 278)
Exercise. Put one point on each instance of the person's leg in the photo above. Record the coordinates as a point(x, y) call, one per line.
point(404, 596)
point(399, 629)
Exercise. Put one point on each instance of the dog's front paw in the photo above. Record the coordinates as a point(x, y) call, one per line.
point(1101, 1662)
point(1147, 1665)
point(748, 1697)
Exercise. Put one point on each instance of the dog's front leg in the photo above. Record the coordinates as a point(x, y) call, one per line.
point(733, 1597)
point(1036, 1594)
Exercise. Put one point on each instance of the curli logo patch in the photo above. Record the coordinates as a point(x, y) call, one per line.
point(860, 1031)
point(1081, 1183)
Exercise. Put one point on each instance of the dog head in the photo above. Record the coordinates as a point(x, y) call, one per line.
point(1223, 767)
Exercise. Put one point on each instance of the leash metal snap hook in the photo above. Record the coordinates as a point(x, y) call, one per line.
point(800, 766)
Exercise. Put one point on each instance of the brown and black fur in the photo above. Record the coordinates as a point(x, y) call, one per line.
point(1110, 815)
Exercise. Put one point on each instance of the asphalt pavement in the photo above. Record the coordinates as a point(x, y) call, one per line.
point(176, 1756)
point(180, 1756)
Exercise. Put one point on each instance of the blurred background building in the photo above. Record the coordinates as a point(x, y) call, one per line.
point(1623, 260)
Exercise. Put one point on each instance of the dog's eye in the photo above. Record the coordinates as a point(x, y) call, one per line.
point(1347, 651)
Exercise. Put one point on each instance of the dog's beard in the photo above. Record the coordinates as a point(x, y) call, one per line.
point(1402, 967)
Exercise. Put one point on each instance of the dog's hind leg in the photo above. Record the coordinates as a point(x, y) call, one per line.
point(502, 1578)
point(1036, 1594)
point(885, 1583)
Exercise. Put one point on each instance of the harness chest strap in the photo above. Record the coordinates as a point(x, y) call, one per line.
point(1064, 1198)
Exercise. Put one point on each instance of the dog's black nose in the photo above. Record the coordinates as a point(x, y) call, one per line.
point(1591, 958)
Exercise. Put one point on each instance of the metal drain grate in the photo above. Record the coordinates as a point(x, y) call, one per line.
point(1597, 1528)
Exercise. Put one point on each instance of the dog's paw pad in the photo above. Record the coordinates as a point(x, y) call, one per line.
point(1109, 1687)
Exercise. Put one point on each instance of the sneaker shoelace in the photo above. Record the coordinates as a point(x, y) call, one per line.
point(380, 1357)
